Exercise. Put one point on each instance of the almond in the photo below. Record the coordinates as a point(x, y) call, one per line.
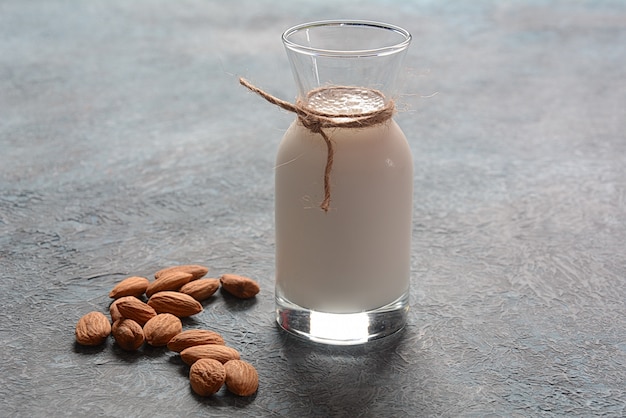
point(241, 377)
point(239, 286)
point(173, 280)
point(194, 337)
point(92, 329)
point(128, 334)
point(131, 286)
point(160, 329)
point(195, 270)
point(201, 289)
point(115, 312)
point(217, 352)
point(206, 376)
point(176, 303)
point(132, 308)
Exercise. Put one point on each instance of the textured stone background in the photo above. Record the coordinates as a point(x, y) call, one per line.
point(127, 145)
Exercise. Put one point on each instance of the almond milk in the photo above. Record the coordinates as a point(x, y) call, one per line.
point(356, 256)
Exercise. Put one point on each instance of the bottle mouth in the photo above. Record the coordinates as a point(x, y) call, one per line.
point(346, 38)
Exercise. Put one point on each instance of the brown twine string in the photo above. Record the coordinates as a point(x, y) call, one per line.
point(316, 121)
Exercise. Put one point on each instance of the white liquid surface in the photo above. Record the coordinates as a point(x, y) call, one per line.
point(352, 100)
point(355, 257)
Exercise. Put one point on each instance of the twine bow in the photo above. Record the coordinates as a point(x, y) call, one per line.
point(316, 121)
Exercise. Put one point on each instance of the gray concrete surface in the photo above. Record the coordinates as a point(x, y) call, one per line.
point(127, 145)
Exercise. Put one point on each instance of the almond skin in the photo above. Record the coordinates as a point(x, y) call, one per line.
point(160, 329)
point(239, 286)
point(217, 352)
point(197, 271)
point(131, 286)
point(128, 334)
point(201, 289)
point(170, 281)
point(241, 377)
point(132, 308)
point(92, 329)
point(115, 313)
point(194, 337)
point(176, 303)
point(206, 376)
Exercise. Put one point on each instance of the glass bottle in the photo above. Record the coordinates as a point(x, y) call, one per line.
point(343, 240)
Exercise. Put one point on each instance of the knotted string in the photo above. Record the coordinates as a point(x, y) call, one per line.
point(316, 121)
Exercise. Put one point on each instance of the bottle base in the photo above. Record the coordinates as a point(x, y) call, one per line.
point(342, 328)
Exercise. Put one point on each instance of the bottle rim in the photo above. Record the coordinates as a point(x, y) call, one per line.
point(392, 48)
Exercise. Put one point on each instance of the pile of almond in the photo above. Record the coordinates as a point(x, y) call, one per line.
point(175, 293)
